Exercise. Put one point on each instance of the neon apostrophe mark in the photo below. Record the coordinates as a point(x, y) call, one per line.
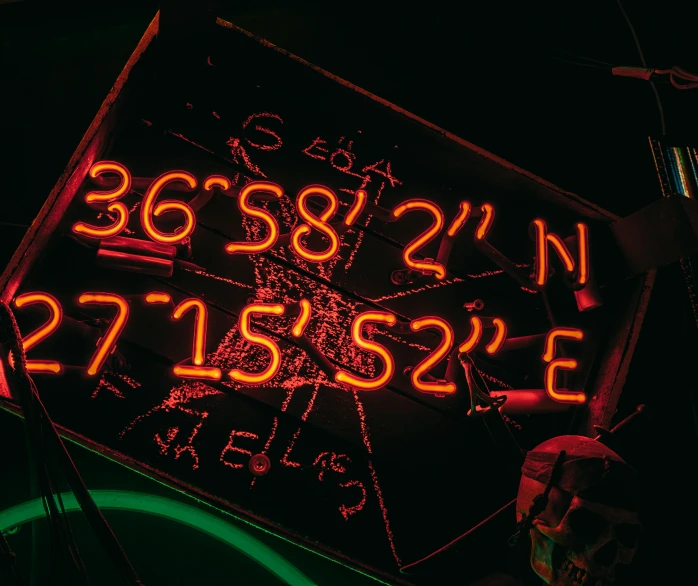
point(42, 332)
point(303, 319)
point(474, 337)
point(378, 382)
point(319, 223)
point(272, 226)
point(356, 208)
point(116, 207)
point(199, 342)
point(460, 219)
point(441, 351)
point(543, 238)
point(499, 337)
point(275, 355)
point(438, 221)
point(555, 364)
point(108, 342)
point(486, 221)
point(150, 208)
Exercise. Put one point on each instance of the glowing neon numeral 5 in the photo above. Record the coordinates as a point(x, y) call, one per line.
point(117, 207)
point(42, 332)
point(272, 226)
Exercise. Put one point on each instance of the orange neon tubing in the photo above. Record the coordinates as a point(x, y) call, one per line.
point(583, 262)
point(356, 208)
point(42, 332)
point(303, 319)
point(108, 342)
point(373, 384)
point(205, 372)
point(554, 334)
point(261, 214)
point(156, 297)
point(542, 238)
point(460, 219)
point(485, 221)
point(320, 224)
point(149, 208)
point(198, 350)
point(559, 395)
point(435, 211)
point(112, 194)
point(117, 207)
point(500, 335)
point(244, 324)
point(474, 336)
point(438, 388)
point(217, 181)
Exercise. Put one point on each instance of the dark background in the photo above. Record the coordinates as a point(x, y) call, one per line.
point(507, 76)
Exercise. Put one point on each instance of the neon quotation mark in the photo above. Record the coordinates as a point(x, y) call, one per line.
point(110, 196)
point(476, 330)
point(42, 332)
point(272, 226)
point(373, 384)
point(555, 364)
point(543, 238)
point(107, 344)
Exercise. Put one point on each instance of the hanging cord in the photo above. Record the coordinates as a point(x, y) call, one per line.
point(37, 418)
point(540, 502)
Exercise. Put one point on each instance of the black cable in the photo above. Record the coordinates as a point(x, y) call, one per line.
point(644, 64)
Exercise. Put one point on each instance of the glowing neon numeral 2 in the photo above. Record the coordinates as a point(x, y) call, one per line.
point(42, 332)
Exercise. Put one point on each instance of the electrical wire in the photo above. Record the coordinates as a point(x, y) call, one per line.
point(644, 64)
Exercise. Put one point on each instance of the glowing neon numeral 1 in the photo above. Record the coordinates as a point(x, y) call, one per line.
point(272, 226)
point(198, 351)
point(319, 223)
point(442, 350)
point(42, 332)
point(421, 204)
point(373, 384)
point(149, 208)
point(555, 364)
point(106, 345)
point(460, 219)
point(244, 324)
point(117, 207)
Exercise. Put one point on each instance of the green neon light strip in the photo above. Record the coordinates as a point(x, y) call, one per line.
point(175, 511)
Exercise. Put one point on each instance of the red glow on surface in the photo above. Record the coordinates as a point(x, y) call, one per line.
point(560, 395)
point(485, 224)
point(552, 337)
point(460, 219)
point(356, 208)
point(542, 238)
point(272, 226)
point(362, 384)
point(109, 195)
point(42, 332)
point(106, 345)
point(439, 387)
point(319, 223)
point(149, 208)
point(432, 209)
point(474, 336)
point(200, 323)
point(217, 181)
point(156, 297)
point(303, 319)
point(499, 336)
point(244, 324)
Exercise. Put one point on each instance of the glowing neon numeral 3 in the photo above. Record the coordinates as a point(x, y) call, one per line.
point(42, 332)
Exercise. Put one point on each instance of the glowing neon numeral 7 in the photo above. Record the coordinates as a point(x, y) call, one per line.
point(42, 332)
point(107, 344)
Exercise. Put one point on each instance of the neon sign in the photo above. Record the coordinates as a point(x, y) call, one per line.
point(576, 270)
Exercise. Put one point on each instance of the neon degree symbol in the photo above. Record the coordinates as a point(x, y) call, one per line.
point(116, 207)
point(272, 226)
point(555, 364)
point(198, 351)
point(149, 208)
point(442, 350)
point(362, 384)
point(106, 345)
point(244, 325)
point(319, 223)
point(425, 237)
point(42, 332)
